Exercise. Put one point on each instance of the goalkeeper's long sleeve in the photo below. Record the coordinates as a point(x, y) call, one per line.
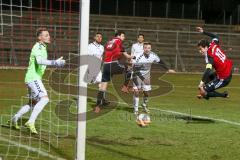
point(42, 61)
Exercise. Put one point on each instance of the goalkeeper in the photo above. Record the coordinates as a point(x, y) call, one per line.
point(38, 97)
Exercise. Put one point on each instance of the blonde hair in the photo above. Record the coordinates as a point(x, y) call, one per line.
point(40, 30)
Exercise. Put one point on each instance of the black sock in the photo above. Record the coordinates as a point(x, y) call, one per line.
point(100, 97)
point(126, 83)
point(216, 94)
point(127, 77)
point(104, 97)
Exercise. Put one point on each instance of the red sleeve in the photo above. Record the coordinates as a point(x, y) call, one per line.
point(119, 49)
point(211, 49)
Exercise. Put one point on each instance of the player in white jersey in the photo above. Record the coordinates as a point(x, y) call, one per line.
point(136, 50)
point(95, 52)
point(141, 75)
point(38, 97)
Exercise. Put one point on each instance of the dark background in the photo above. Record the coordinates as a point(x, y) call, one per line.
point(212, 11)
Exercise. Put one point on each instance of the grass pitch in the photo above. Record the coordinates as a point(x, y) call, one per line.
point(175, 132)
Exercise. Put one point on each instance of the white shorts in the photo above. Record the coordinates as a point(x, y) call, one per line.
point(94, 77)
point(93, 74)
point(138, 83)
point(142, 86)
point(36, 90)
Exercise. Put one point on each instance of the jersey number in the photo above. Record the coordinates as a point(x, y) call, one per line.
point(220, 55)
point(110, 44)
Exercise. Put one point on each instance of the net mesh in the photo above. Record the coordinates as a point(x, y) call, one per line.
point(55, 125)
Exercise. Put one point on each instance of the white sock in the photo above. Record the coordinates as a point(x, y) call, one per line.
point(37, 109)
point(135, 102)
point(22, 111)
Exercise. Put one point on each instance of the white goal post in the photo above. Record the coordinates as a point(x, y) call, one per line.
point(84, 7)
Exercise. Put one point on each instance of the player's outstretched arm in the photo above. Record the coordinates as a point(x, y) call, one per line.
point(199, 29)
point(213, 36)
point(171, 71)
point(164, 65)
point(125, 54)
point(59, 62)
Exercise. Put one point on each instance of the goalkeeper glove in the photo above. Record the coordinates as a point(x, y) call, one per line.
point(59, 62)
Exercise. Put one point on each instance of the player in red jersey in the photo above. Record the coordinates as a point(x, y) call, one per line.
point(215, 58)
point(114, 50)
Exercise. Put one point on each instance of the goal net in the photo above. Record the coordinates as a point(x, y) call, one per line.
point(56, 124)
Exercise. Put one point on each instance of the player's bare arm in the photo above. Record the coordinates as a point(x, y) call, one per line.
point(164, 65)
point(125, 54)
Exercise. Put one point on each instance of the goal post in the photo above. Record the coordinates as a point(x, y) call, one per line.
point(84, 7)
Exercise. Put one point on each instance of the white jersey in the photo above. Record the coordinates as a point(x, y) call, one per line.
point(137, 49)
point(95, 49)
point(95, 53)
point(143, 63)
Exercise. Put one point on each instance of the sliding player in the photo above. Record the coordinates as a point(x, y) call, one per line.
point(38, 97)
point(216, 59)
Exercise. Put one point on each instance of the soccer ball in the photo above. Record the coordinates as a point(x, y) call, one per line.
point(143, 120)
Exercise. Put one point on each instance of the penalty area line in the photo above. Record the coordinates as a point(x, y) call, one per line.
point(196, 116)
point(190, 115)
point(32, 149)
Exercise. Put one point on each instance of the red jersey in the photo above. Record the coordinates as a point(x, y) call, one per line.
point(113, 50)
point(222, 65)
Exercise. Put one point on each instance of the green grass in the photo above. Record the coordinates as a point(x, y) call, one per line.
point(114, 134)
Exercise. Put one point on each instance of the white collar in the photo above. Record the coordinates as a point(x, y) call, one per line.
point(96, 44)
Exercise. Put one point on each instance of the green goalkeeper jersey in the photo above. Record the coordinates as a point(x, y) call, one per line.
point(35, 71)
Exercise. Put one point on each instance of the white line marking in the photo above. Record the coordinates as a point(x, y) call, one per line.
point(193, 116)
point(196, 116)
point(45, 154)
point(180, 113)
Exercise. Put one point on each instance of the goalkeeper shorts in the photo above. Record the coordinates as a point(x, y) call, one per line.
point(36, 90)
